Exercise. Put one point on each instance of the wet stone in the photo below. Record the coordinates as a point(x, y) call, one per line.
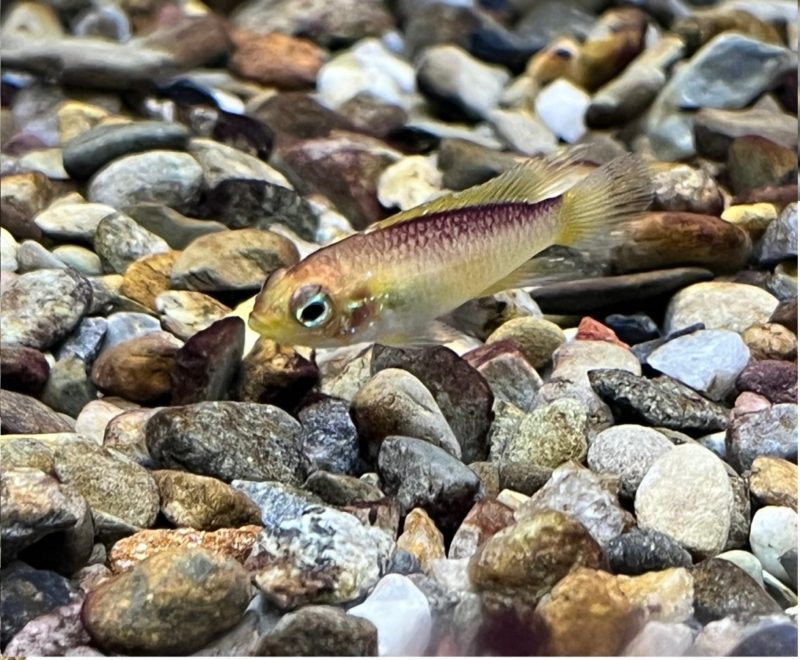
point(24, 414)
point(341, 489)
point(228, 440)
point(770, 432)
point(774, 379)
point(508, 373)
point(68, 388)
point(176, 229)
point(644, 550)
point(330, 440)
point(278, 502)
point(23, 369)
point(773, 481)
point(206, 364)
point(147, 277)
point(91, 150)
point(185, 313)
point(119, 241)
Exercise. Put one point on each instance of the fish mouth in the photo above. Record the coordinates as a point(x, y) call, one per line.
point(257, 324)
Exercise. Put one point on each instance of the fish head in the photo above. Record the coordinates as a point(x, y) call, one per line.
point(306, 305)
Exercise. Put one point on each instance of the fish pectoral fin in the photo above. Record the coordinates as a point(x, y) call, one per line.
point(530, 182)
point(528, 274)
point(428, 334)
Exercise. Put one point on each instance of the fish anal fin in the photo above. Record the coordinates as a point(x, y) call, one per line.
point(428, 334)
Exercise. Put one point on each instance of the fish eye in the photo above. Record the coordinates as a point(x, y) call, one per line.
point(311, 306)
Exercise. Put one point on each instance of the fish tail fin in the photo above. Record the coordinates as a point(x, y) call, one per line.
point(610, 196)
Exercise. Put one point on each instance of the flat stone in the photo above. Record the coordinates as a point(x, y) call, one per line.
point(719, 306)
point(585, 497)
point(770, 432)
point(232, 260)
point(627, 450)
point(228, 440)
point(723, 589)
point(422, 475)
point(701, 520)
point(42, 307)
point(176, 229)
point(24, 414)
point(658, 402)
point(124, 326)
point(91, 150)
point(276, 59)
point(689, 359)
point(335, 633)
point(119, 242)
point(23, 369)
point(773, 481)
point(182, 587)
point(167, 177)
point(185, 313)
point(341, 489)
point(394, 402)
point(715, 130)
point(147, 277)
point(79, 258)
point(324, 556)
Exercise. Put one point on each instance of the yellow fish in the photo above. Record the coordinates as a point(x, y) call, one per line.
point(392, 281)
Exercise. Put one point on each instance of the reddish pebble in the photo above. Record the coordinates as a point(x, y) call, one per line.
point(592, 330)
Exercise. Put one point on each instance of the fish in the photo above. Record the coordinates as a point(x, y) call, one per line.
point(391, 282)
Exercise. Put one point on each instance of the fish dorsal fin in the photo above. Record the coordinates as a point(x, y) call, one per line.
point(531, 181)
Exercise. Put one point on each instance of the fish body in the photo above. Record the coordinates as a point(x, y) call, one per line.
point(390, 282)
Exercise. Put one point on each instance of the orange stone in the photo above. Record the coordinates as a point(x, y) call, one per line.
point(592, 330)
point(276, 59)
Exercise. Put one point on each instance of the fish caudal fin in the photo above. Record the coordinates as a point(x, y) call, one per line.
point(610, 196)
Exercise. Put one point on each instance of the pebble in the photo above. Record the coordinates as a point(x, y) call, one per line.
point(773, 481)
point(394, 402)
point(773, 532)
point(770, 341)
point(96, 416)
point(335, 632)
point(459, 84)
point(627, 450)
point(546, 437)
point(686, 494)
point(537, 339)
point(723, 589)
point(166, 177)
point(484, 520)
point(584, 496)
point(562, 106)
point(232, 260)
point(665, 596)
point(509, 375)
point(32, 256)
point(688, 359)
point(42, 307)
point(661, 639)
point(330, 439)
point(28, 593)
point(276, 59)
point(137, 369)
point(658, 402)
point(206, 365)
point(400, 613)
point(461, 393)
point(754, 162)
point(644, 550)
point(421, 538)
point(24, 414)
point(183, 586)
point(68, 388)
point(119, 242)
point(770, 432)
point(719, 306)
point(409, 182)
point(111, 484)
point(55, 633)
point(228, 440)
point(523, 131)
point(132, 550)
point(419, 474)
point(176, 229)
point(23, 369)
point(147, 277)
point(85, 340)
point(185, 313)
point(587, 612)
point(715, 130)
point(276, 374)
point(8, 250)
point(124, 326)
point(23, 197)
point(324, 556)
point(79, 258)
point(190, 500)
point(341, 489)
point(88, 152)
point(125, 434)
point(774, 640)
point(523, 562)
point(785, 314)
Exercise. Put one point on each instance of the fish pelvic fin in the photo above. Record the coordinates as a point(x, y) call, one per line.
point(607, 198)
point(531, 181)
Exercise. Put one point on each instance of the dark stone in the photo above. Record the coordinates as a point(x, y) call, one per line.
point(176, 229)
point(723, 589)
point(774, 379)
point(465, 164)
point(658, 402)
point(228, 440)
point(23, 369)
point(715, 130)
point(340, 489)
point(330, 440)
point(522, 477)
point(633, 328)
point(403, 563)
point(320, 630)
point(420, 474)
point(69, 388)
point(462, 394)
point(28, 593)
point(770, 641)
point(296, 115)
point(786, 314)
point(645, 550)
point(245, 203)
point(24, 414)
point(89, 151)
point(585, 295)
point(207, 363)
point(373, 116)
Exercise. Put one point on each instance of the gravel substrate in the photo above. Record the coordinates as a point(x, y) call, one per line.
point(603, 464)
